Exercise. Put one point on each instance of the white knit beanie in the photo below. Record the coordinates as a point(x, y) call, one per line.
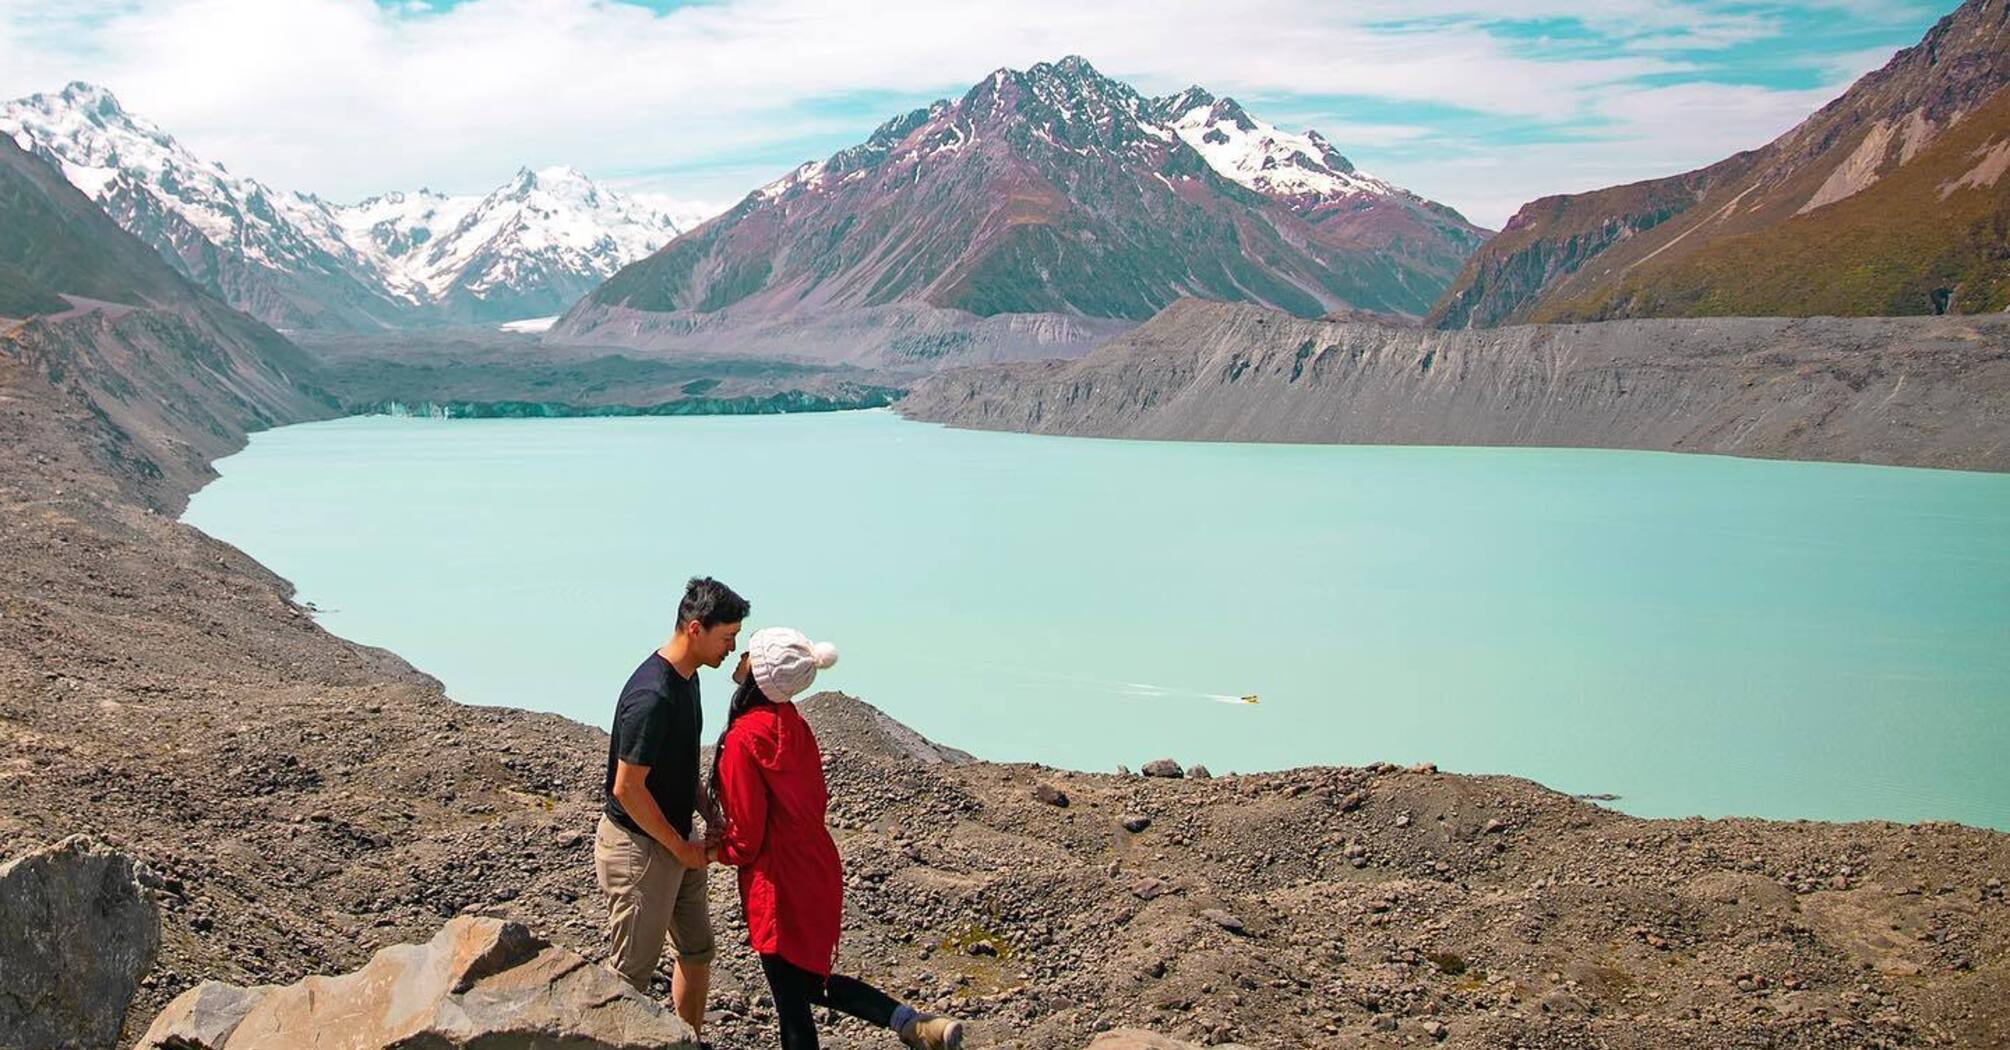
point(785, 662)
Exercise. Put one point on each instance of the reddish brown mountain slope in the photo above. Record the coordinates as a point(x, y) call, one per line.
point(1889, 200)
point(1051, 191)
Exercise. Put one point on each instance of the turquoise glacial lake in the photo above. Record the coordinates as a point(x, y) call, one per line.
point(1695, 634)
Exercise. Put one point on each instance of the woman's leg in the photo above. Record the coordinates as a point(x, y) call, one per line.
point(794, 989)
point(860, 1000)
point(852, 996)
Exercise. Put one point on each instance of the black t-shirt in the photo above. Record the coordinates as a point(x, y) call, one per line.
point(656, 724)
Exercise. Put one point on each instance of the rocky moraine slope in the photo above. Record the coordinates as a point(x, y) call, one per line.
point(1912, 391)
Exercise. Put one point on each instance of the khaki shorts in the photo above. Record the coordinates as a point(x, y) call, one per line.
point(649, 895)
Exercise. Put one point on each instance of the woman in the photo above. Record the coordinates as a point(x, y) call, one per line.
point(768, 784)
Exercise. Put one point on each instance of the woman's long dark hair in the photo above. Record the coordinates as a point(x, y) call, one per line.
point(745, 698)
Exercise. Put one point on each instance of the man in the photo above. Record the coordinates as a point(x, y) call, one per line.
point(643, 856)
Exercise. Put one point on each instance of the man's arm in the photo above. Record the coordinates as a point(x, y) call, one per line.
point(631, 789)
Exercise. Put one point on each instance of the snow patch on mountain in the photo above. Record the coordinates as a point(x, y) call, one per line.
point(530, 324)
point(1270, 161)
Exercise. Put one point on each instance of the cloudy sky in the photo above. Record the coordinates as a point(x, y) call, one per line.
point(1482, 104)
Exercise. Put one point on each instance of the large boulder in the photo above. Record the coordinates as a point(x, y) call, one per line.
point(478, 982)
point(77, 932)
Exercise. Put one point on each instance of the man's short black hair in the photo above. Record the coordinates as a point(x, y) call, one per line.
point(711, 603)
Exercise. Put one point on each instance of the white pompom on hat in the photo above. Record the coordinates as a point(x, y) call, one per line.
point(785, 662)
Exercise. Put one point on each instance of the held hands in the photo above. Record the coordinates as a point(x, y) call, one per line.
point(688, 853)
point(693, 853)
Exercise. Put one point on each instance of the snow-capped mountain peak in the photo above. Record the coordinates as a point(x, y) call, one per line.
point(1053, 189)
point(143, 177)
point(1258, 155)
point(535, 228)
point(528, 248)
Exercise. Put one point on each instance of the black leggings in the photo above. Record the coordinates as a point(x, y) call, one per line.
point(796, 990)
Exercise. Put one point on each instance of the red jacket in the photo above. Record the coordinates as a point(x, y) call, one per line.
point(771, 787)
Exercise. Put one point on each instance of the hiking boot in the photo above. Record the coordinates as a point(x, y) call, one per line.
point(929, 1032)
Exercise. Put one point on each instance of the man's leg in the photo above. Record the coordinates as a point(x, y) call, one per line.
point(635, 873)
point(691, 935)
point(689, 984)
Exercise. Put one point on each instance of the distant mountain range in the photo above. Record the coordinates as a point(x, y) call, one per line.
point(1890, 200)
point(1049, 208)
point(1051, 191)
point(529, 248)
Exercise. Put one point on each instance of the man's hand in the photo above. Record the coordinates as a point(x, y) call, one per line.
point(631, 789)
point(688, 853)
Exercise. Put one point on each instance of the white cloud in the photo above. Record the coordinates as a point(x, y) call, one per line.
point(347, 98)
point(1652, 132)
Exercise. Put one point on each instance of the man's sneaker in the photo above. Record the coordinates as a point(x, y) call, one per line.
point(929, 1032)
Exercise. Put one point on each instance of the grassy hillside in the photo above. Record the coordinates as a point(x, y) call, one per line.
point(1932, 236)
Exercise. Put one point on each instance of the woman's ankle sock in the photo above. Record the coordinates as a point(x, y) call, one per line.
point(901, 1015)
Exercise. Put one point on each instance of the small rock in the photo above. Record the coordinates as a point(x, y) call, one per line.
point(1135, 823)
point(1051, 795)
point(1224, 920)
point(1163, 767)
point(1198, 772)
point(1403, 820)
point(1149, 887)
